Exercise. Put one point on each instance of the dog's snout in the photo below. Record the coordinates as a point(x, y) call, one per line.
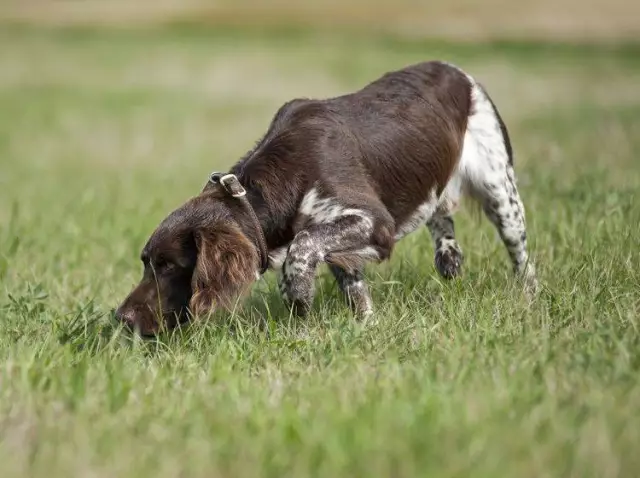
point(126, 316)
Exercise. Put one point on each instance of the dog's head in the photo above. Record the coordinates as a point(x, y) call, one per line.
point(197, 259)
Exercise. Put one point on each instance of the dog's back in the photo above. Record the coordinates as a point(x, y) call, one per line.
point(410, 126)
point(398, 139)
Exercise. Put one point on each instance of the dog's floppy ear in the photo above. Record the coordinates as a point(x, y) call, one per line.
point(226, 266)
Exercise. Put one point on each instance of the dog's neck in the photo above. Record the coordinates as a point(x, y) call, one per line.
point(275, 197)
point(276, 220)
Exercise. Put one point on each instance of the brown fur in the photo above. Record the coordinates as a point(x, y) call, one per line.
point(225, 268)
point(382, 149)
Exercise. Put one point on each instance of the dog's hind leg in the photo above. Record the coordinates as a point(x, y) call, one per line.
point(354, 288)
point(448, 255)
point(503, 206)
point(487, 162)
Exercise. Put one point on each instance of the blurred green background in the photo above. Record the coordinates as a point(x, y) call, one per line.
point(112, 113)
point(464, 20)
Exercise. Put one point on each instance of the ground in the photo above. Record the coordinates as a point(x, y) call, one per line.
point(102, 133)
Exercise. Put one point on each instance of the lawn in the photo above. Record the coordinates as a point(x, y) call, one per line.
point(102, 133)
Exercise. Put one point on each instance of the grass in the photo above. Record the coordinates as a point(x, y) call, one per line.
point(103, 133)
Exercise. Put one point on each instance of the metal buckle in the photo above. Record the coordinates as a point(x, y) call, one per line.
point(214, 177)
point(241, 191)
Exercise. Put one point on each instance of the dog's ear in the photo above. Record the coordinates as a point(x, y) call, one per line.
point(225, 268)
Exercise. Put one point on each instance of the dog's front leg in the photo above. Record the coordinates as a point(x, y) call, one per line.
point(310, 247)
point(355, 290)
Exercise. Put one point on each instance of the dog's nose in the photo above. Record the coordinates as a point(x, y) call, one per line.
point(126, 317)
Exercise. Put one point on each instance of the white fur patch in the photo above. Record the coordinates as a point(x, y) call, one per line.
point(484, 155)
point(323, 210)
point(277, 257)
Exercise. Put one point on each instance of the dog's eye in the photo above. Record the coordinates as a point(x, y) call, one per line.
point(163, 264)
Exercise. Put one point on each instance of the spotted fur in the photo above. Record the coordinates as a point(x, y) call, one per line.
point(487, 165)
point(340, 181)
point(328, 227)
point(355, 289)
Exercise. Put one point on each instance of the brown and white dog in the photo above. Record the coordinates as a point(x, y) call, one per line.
point(339, 181)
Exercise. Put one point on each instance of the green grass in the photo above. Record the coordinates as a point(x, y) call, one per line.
point(102, 134)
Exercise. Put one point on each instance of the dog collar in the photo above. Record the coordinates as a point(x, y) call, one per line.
point(232, 186)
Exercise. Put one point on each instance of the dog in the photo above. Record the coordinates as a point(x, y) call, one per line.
point(340, 181)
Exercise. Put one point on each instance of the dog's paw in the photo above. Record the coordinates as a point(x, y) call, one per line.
point(449, 262)
point(297, 295)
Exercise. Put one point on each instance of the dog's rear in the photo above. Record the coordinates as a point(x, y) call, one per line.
point(485, 173)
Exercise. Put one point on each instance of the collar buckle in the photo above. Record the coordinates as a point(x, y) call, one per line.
point(230, 183)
